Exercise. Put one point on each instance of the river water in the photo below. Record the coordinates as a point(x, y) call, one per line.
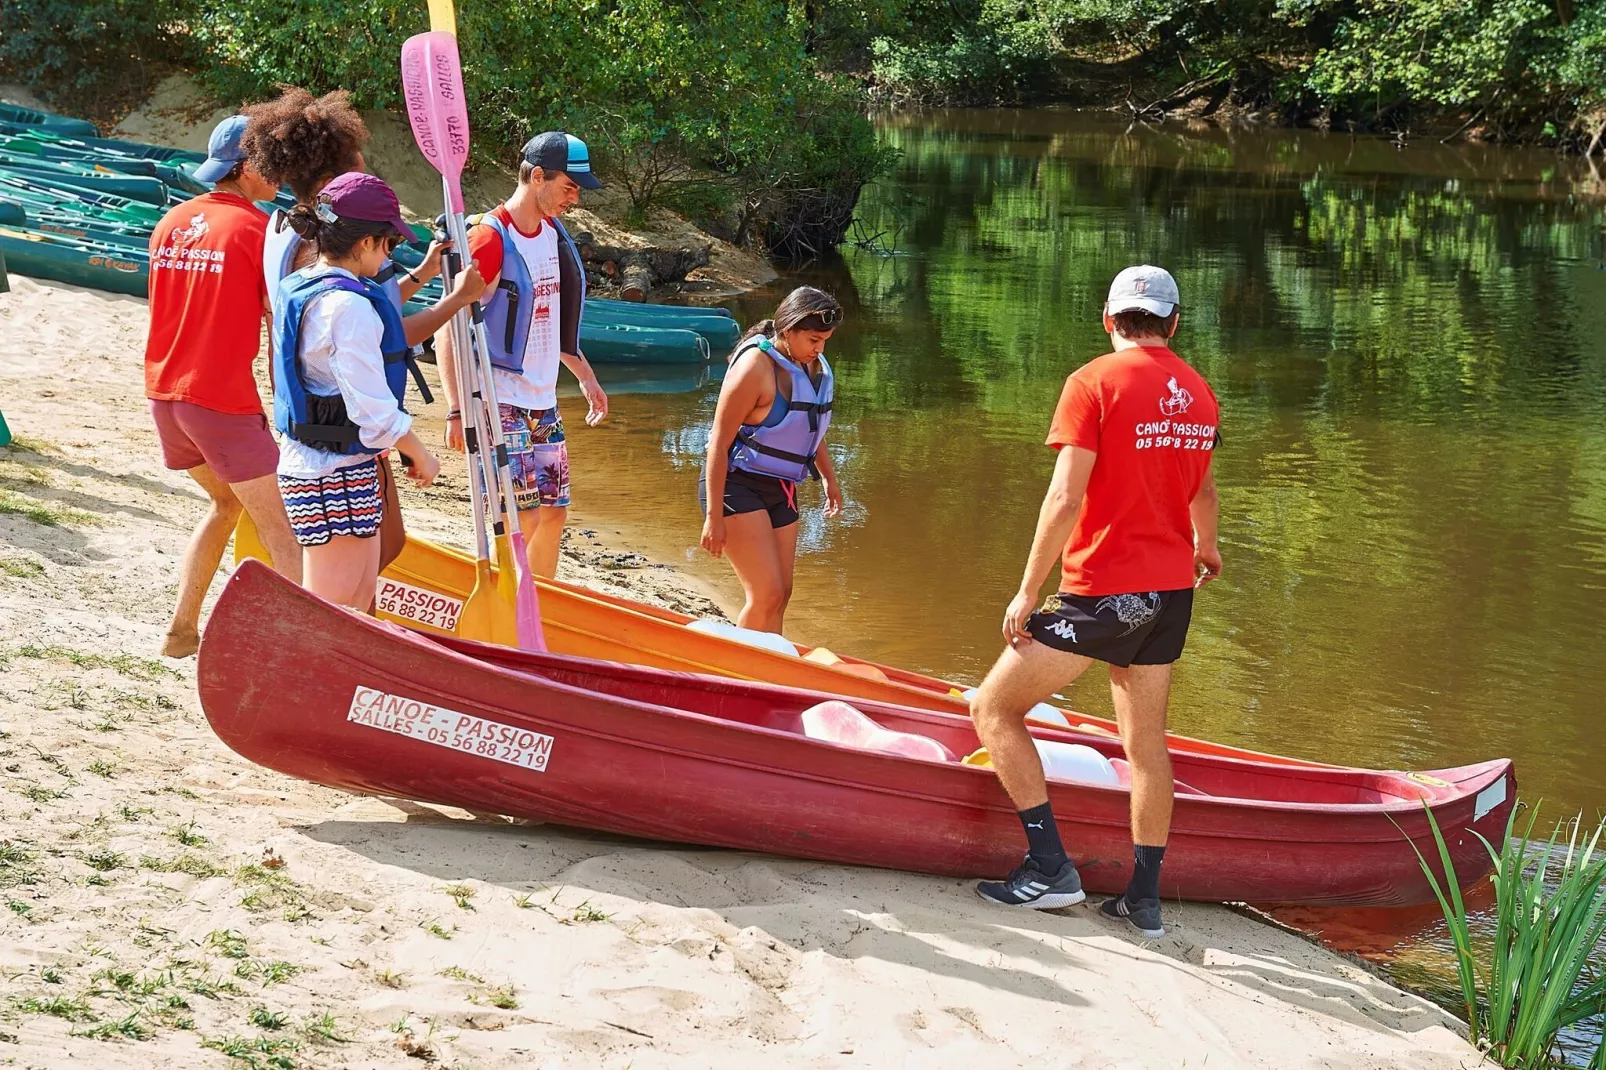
point(1409, 347)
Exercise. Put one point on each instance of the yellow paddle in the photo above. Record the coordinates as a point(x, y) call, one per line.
point(442, 17)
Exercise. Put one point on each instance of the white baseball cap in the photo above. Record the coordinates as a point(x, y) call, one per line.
point(1144, 288)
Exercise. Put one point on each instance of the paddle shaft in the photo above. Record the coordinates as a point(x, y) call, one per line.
point(458, 326)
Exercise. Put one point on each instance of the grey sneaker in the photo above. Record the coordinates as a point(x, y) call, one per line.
point(1031, 888)
point(1143, 915)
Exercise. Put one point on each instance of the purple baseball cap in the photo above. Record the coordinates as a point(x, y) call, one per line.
point(355, 195)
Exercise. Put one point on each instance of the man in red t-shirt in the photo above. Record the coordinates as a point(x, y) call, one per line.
point(1131, 511)
point(207, 299)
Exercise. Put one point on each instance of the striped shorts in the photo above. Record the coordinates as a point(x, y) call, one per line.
point(347, 501)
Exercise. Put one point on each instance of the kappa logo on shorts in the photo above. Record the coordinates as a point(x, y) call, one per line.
point(1062, 628)
point(1178, 402)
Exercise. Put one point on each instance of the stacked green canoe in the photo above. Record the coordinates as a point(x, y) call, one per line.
point(79, 208)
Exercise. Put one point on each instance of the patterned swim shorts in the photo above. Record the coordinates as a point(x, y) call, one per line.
point(347, 501)
point(537, 455)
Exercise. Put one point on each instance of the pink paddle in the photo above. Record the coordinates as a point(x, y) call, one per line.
point(432, 85)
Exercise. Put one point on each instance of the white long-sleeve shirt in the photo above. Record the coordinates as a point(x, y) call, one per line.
point(340, 351)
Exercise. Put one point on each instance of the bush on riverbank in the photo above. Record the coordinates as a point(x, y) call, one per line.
point(1506, 69)
point(716, 108)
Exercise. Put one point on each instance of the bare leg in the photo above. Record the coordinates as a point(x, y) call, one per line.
point(786, 555)
point(202, 556)
point(753, 549)
point(265, 505)
point(1141, 694)
point(544, 537)
point(343, 570)
point(1021, 678)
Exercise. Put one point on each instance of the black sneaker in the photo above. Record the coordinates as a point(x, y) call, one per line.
point(1031, 888)
point(1143, 916)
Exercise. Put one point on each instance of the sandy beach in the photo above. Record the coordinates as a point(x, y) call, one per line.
point(168, 902)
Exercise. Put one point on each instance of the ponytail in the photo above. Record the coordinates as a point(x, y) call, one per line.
point(763, 328)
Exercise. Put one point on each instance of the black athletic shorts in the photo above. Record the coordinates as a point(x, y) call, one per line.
point(1122, 629)
point(749, 493)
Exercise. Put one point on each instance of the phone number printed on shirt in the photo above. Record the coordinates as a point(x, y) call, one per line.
point(437, 725)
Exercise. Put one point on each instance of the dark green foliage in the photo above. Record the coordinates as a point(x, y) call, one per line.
point(91, 49)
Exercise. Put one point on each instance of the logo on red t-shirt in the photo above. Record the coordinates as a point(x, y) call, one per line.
point(1178, 401)
point(194, 232)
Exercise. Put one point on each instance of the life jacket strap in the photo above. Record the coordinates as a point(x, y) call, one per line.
point(745, 438)
point(340, 434)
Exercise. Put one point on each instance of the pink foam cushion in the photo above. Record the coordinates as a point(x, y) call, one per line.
point(837, 722)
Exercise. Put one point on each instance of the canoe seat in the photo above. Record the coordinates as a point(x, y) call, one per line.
point(837, 722)
point(1123, 772)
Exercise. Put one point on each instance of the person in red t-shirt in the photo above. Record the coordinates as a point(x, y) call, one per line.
point(207, 299)
point(1133, 505)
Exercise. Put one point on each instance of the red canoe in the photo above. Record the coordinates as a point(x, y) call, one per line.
point(301, 686)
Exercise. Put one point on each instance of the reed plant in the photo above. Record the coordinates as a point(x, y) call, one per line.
point(1536, 978)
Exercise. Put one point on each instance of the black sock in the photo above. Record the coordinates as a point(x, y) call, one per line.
point(1043, 839)
point(1145, 883)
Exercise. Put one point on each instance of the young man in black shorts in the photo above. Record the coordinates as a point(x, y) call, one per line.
point(1131, 513)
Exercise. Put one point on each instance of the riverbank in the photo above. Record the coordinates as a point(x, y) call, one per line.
point(167, 900)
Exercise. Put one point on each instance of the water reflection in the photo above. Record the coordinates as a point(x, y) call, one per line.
point(1408, 350)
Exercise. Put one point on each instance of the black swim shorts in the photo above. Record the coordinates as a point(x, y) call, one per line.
point(749, 493)
point(1122, 629)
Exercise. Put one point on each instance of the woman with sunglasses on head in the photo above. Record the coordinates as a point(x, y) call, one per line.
point(340, 374)
point(768, 436)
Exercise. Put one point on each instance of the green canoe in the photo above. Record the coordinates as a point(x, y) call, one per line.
point(14, 113)
point(79, 176)
point(620, 344)
point(71, 260)
point(720, 331)
point(101, 145)
point(668, 311)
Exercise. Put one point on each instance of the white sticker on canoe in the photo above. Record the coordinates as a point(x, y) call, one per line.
point(417, 604)
point(1489, 798)
point(463, 732)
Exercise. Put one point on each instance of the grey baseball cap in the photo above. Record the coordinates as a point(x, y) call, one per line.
point(1144, 288)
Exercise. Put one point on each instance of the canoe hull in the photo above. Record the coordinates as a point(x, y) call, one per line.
point(634, 768)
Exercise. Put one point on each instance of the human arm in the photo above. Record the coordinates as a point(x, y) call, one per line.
point(833, 489)
point(741, 393)
point(1205, 510)
point(596, 400)
point(1055, 519)
point(416, 279)
point(422, 465)
point(466, 289)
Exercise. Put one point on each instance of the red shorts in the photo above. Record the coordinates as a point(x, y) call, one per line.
point(236, 448)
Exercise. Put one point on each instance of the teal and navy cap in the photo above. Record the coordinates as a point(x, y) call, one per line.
point(557, 151)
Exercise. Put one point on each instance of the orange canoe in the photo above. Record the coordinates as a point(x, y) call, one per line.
point(425, 587)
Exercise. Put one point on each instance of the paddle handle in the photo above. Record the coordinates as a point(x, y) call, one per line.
point(442, 18)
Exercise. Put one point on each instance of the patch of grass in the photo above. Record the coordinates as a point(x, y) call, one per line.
point(461, 894)
point(72, 1009)
point(29, 444)
point(391, 979)
point(209, 987)
point(38, 793)
point(585, 912)
point(105, 861)
point(259, 1052)
point(270, 889)
point(129, 983)
point(101, 767)
point(129, 1028)
point(502, 996)
point(263, 1018)
point(227, 943)
point(324, 1029)
point(298, 912)
point(434, 928)
point(126, 664)
point(457, 973)
point(16, 864)
point(45, 514)
point(23, 568)
point(97, 880)
point(17, 906)
point(186, 835)
point(133, 813)
point(268, 971)
point(50, 975)
point(194, 865)
point(525, 901)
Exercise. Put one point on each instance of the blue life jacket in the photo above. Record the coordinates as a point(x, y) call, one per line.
point(320, 420)
point(783, 446)
point(279, 253)
point(508, 308)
